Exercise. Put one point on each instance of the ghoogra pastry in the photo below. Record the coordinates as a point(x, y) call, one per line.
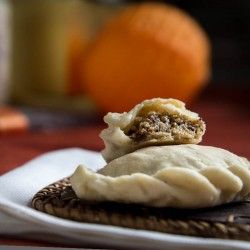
point(153, 184)
point(181, 176)
point(153, 122)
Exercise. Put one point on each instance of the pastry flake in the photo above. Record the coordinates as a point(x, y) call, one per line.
point(182, 176)
point(153, 122)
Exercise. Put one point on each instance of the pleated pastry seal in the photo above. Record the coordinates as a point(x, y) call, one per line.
point(153, 122)
point(181, 176)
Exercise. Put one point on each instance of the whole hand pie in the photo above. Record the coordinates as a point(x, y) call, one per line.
point(153, 122)
point(183, 176)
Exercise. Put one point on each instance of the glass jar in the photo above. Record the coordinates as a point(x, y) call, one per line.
point(49, 39)
point(5, 15)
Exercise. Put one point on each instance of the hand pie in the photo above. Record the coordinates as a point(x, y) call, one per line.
point(182, 176)
point(153, 122)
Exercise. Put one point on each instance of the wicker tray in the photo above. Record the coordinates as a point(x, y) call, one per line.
point(231, 221)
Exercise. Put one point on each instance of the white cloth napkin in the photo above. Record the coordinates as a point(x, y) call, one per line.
point(17, 218)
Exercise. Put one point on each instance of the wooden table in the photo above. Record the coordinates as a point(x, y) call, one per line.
point(226, 112)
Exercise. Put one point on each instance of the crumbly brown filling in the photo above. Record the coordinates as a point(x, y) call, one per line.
point(154, 124)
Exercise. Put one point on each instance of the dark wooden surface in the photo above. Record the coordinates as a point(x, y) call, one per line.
point(226, 112)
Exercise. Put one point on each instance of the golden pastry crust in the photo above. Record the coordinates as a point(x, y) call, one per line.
point(183, 176)
point(153, 122)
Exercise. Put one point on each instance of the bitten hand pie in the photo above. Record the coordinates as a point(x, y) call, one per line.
point(183, 176)
point(153, 122)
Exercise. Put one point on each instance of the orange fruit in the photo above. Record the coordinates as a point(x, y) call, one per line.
point(148, 50)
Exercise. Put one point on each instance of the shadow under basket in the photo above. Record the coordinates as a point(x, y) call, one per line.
point(229, 221)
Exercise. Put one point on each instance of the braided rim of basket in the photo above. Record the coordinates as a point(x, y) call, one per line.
point(58, 199)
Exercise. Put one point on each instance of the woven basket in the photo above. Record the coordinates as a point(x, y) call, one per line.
point(230, 221)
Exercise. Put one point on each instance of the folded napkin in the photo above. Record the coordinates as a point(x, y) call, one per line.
point(17, 218)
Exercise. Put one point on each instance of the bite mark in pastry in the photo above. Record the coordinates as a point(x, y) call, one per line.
point(183, 176)
point(153, 122)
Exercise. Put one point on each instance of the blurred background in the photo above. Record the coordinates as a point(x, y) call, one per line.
point(47, 47)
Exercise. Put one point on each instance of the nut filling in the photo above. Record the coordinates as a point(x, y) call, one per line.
point(155, 125)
